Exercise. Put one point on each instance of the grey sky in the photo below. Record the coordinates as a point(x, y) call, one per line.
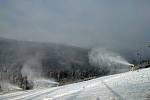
point(85, 23)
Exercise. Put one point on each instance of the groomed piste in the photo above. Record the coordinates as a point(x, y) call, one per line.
point(133, 85)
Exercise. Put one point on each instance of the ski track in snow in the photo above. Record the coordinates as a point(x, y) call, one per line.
point(125, 86)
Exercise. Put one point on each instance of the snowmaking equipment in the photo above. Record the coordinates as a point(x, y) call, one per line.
point(131, 67)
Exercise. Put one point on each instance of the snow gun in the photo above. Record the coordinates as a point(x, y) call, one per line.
point(131, 67)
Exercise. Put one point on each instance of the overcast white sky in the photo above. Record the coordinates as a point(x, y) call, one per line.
point(85, 23)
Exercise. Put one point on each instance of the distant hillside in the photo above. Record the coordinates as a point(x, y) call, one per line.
point(21, 62)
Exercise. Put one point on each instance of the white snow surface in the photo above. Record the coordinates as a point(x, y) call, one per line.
point(125, 86)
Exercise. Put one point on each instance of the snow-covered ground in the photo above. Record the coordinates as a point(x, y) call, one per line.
point(125, 86)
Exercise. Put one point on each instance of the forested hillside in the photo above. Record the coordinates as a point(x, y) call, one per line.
point(21, 62)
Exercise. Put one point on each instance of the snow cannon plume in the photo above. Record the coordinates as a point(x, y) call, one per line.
point(33, 71)
point(108, 60)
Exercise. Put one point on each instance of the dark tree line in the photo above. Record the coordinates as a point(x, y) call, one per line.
point(65, 64)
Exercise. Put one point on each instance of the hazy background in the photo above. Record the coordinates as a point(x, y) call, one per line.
point(116, 31)
point(85, 23)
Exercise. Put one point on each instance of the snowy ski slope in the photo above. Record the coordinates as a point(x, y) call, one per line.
point(125, 86)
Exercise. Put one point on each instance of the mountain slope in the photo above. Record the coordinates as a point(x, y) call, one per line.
point(125, 86)
point(21, 62)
